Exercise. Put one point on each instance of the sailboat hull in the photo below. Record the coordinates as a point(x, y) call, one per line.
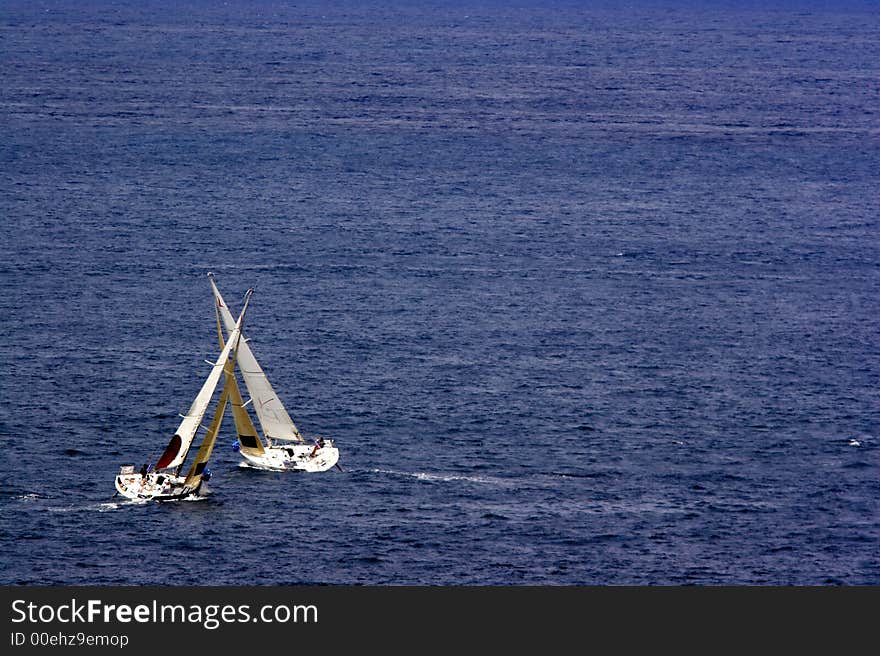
point(159, 485)
point(294, 457)
point(154, 487)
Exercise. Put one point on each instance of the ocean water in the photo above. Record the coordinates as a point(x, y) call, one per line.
point(586, 294)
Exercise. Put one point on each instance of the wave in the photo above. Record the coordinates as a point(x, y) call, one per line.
point(32, 496)
point(445, 478)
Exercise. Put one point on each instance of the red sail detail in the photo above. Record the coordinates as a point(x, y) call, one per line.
point(170, 453)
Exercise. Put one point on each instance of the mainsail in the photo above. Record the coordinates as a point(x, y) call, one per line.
point(197, 470)
point(200, 463)
point(273, 417)
point(248, 438)
point(177, 449)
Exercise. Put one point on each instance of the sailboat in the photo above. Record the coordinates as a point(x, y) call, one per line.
point(164, 482)
point(282, 447)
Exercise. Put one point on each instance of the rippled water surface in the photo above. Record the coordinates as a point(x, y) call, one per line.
point(585, 295)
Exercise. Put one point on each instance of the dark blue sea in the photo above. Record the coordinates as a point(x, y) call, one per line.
point(585, 292)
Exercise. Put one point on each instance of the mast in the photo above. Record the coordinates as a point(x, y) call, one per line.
point(200, 463)
point(177, 449)
point(271, 413)
point(248, 438)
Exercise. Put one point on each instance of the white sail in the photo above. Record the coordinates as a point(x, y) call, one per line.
point(176, 451)
point(248, 437)
point(271, 413)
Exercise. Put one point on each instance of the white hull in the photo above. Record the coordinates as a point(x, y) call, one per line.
point(154, 487)
point(295, 457)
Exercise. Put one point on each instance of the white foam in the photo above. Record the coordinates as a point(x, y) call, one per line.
point(445, 478)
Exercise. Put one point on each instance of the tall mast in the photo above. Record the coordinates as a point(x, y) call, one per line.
point(178, 448)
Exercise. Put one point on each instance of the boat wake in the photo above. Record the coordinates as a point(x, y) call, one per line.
point(109, 506)
point(89, 507)
point(34, 497)
point(30, 497)
point(446, 478)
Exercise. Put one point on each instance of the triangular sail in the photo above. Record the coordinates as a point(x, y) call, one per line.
point(271, 413)
point(178, 447)
point(248, 438)
point(200, 463)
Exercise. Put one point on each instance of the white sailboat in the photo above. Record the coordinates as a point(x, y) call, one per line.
point(164, 482)
point(282, 447)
